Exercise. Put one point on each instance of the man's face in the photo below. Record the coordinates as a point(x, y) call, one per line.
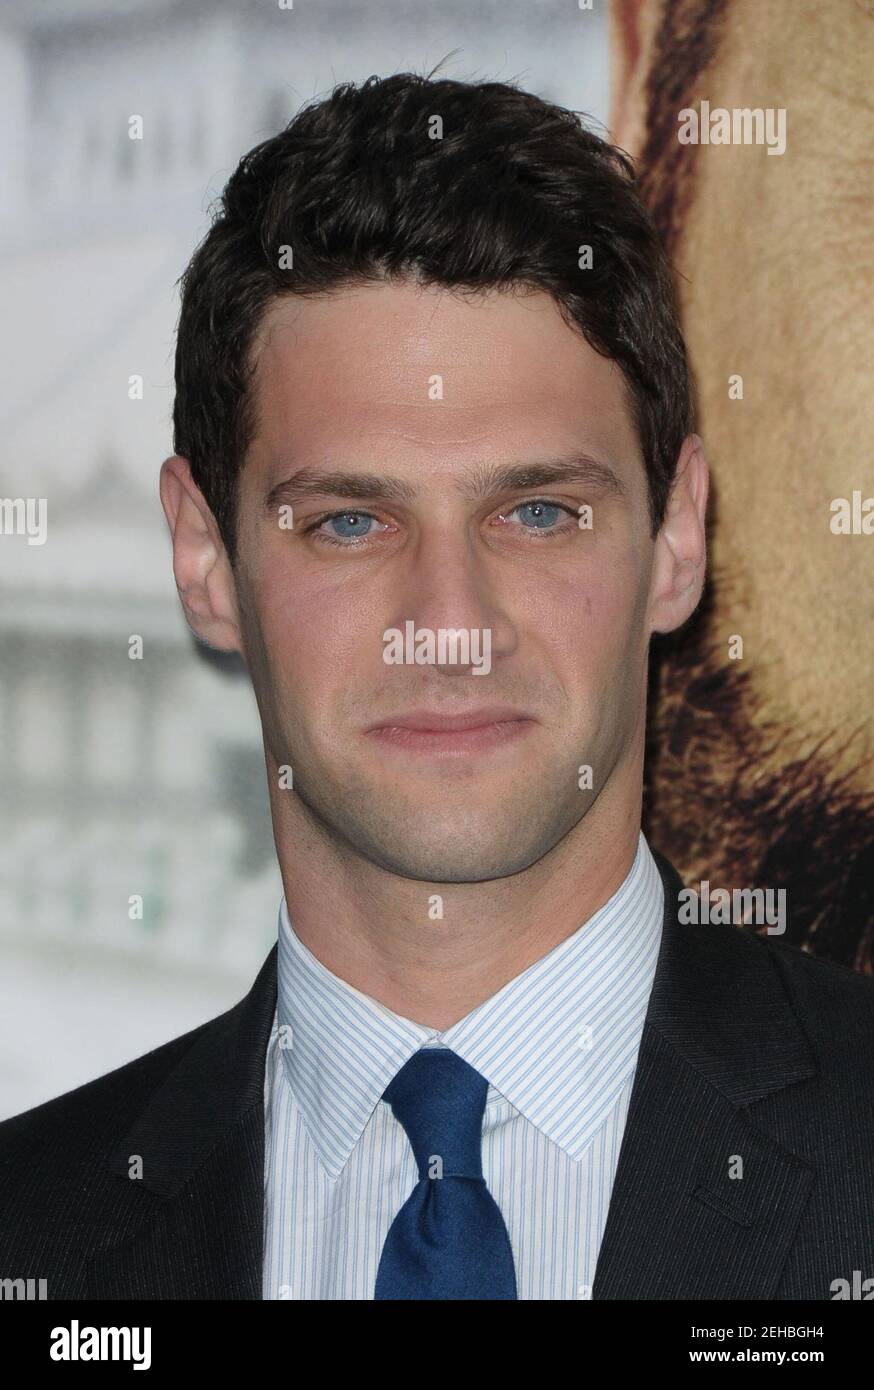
point(348, 383)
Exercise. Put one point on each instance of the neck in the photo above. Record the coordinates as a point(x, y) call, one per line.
point(381, 932)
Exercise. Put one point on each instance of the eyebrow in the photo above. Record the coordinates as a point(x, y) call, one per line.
point(481, 482)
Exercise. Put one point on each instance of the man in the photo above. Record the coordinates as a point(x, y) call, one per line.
point(763, 767)
point(430, 382)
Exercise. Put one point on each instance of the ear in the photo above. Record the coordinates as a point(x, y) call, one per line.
point(201, 568)
point(680, 546)
point(633, 26)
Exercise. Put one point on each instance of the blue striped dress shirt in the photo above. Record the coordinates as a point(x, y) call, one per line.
point(558, 1045)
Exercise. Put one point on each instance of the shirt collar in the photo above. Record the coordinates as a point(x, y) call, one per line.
point(559, 1041)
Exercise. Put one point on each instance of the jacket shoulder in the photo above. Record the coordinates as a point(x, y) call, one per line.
point(816, 972)
point(62, 1201)
point(60, 1144)
point(834, 1004)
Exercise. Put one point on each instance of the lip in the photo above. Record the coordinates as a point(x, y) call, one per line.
point(424, 720)
point(448, 735)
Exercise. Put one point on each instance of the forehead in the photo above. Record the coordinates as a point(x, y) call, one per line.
point(427, 375)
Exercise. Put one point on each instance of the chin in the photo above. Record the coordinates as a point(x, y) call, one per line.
point(469, 862)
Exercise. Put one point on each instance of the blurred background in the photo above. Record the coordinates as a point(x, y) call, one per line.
point(144, 778)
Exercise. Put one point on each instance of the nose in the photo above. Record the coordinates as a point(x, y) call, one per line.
point(450, 588)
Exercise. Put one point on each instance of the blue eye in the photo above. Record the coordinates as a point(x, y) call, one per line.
point(543, 514)
point(350, 525)
point(540, 519)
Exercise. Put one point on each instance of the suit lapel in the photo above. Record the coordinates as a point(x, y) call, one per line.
point(719, 1035)
point(194, 1217)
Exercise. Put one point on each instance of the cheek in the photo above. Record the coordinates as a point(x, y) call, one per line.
point(601, 606)
point(316, 633)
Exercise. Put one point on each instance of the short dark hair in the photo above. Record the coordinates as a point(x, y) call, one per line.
point(359, 188)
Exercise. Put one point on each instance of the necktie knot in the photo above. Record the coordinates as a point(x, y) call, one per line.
point(439, 1099)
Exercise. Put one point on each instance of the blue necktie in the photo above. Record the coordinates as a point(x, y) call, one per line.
point(449, 1239)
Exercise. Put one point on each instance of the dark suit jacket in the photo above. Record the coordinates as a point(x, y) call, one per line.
point(750, 1050)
